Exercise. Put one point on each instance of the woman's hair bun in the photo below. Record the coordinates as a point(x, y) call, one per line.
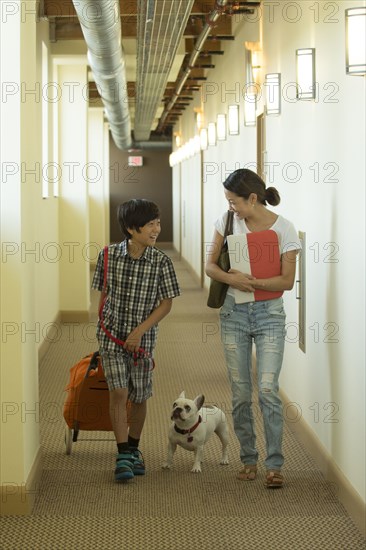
point(272, 196)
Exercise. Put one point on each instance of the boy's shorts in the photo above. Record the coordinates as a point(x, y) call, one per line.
point(120, 371)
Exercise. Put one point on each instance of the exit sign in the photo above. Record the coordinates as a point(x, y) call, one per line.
point(135, 161)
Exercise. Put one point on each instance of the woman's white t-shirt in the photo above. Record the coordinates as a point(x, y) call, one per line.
point(287, 236)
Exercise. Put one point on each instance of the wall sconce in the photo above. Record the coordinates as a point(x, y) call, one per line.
point(178, 140)
point(250, 108)
point(273, 93)
point(179, 157)
point(256, 66)
point(233, 120)
point(191, 150)
point(305, 73)
point(199, 119)
point(197, 144)
point(203, 139)
point(183, 152)
point(355, 41)
point(187, 150)
point(221, 127)
point(211, 133)
point(250, 97)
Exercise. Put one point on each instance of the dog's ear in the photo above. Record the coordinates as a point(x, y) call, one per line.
point(200, 399)
point(182, 395)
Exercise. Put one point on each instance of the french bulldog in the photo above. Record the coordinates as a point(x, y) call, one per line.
point(192, 425)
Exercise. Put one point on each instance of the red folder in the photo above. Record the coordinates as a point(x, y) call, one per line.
point(265, 260)
point(257, 254)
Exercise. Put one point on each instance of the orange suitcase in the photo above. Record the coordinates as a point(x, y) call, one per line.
point(87, 403)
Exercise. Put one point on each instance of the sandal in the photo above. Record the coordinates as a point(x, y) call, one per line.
point(274, 479)
point(247, 473)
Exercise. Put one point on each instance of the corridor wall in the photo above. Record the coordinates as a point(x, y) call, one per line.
point(21, 256)
point(315, 158)
point(46, 247)
point(318, 148)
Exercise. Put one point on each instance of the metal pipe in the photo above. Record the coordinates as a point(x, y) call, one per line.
point(100, 22)
point(160, 27)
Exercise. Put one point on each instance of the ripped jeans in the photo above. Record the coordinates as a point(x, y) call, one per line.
point(264, 324)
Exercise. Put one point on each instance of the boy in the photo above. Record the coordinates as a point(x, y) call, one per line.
point(141, 284)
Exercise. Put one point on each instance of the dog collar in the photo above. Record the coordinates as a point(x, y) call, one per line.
point(184, 432)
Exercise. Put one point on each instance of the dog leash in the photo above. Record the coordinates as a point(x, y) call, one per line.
point(142, 353)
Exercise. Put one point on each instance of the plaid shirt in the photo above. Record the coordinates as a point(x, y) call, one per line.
point(135, 287)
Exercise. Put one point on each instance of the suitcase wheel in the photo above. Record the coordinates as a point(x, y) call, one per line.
point(68, 440)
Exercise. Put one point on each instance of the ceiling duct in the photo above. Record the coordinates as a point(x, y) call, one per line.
point(210, 20)
point(100, 21)
point(160, 27)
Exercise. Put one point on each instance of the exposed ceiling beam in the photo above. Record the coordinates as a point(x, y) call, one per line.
point(64, 26)
point(65, 8)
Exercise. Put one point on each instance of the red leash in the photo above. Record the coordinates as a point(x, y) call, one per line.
point(141, 352)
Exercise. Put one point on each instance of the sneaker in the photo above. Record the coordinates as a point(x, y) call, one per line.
point(138, 462)
point(124, 467)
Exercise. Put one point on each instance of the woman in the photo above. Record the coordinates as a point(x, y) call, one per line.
point(260, 322)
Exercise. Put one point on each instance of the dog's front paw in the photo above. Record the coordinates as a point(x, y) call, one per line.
point(196, 469)
point(224, 461)
point(166, 466)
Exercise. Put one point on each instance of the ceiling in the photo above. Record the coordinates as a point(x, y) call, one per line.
point(182, 78)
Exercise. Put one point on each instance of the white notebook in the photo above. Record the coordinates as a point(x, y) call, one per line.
point(258, 254)
point(239, 259)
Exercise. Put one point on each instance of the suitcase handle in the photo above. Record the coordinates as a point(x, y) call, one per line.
point(93, 365)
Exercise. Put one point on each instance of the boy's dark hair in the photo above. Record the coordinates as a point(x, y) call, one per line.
point(136, 213)
point(243, 182)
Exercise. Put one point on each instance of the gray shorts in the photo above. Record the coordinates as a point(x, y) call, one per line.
point(121, 370)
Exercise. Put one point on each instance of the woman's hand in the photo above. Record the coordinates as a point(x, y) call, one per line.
point(241, 281)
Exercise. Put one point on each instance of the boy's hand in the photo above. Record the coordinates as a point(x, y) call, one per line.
point(133, 341)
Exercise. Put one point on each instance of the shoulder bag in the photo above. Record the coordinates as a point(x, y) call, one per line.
point(218, 290)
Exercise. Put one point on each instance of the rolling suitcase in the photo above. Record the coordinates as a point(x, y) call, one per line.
point(87, 403)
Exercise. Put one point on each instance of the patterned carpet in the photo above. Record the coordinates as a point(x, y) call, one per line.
point(79, 506)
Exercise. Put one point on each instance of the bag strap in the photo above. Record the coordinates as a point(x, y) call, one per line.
point(141, 351)
point(229, 223)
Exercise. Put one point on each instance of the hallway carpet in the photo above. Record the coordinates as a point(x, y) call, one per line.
point(79, 506)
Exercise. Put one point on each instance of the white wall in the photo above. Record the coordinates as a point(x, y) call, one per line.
point(191, 197)
point(20, 196)
point(176, 198)
point(33, 247)
point(74, 201)
point(46, 228)
point(319, 170)
point(96, 177)
point(328, 382)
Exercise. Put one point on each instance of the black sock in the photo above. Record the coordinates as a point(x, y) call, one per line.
point(134, 443)
point(123, 447)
